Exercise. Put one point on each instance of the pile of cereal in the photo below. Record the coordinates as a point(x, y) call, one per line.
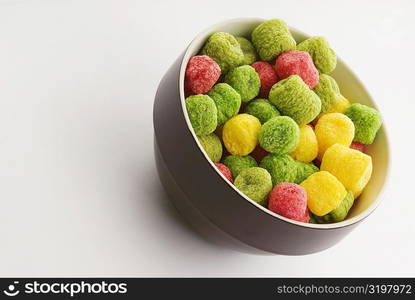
point(274, 122)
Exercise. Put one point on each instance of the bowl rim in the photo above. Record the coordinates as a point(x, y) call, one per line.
point(348, 222)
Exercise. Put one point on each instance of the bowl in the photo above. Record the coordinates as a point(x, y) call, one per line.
point(213, 205)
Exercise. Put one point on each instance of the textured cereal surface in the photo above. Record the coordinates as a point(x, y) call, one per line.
point(288, 200)
point(201, 74)
point(324, 57)
point(339, 213)
point(250, 55)
point(279, 135)
point(212, 146)
point(366, 120)
point(255, 183)
point(238, 163)
point(328, 91)
point(272, 38)
point(202, 113)
point(353, 168)
point(240, 134)
point(225, 171)
point(307, 148)
point(267, 76)
point(281, 167)
point(304, 170)
point(245, 81)
point(297, 63)
point(227, 101)
point(262, 109)
point(333, 128)
point(324, 192)
point(293, 98)
point(225, 50)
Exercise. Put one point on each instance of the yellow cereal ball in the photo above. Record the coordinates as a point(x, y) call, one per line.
point(353, 168)
point(240, 134)
point(307, 148)
point(340, 106)
point(324, 192)
point(333, 128)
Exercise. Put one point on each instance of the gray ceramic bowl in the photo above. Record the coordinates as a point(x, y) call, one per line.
point(213, 205)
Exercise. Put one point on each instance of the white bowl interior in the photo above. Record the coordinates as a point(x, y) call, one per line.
point(350, 87)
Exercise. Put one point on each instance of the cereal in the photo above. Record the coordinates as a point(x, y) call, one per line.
point(304, 170)
point(238, 163)
point(307, 148)
point(324, 57)
point(358, 146)
point(293, 98)
point(212, 146)
point(267, 76)
point(297, 63)
point(262, 109)
point(288, 200)
point(328, 91)
point(245, 81)
point(281, 167)
point(240, 134)
point(339, 213)
point(225, 171)
point(201, 74)
point(225, 50)
point(227, 101)
point(324, 191)
point(279, 135)
point(366, 120)
point(250, 55)
point(254, 183)
point(272, 38)
point(334, 128)
point(353, 168)
point(202, 113)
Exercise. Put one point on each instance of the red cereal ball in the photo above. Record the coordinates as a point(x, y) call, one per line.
point(267, 76)
point(259, 153)
point(297, 63)
point(358, 146)
point(202, 72)
point(288, 200)
point(225, 171)
point(306, 217)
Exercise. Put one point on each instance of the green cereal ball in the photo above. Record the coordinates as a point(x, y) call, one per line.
point(212, 145)
point(281, 167)
point(328, 91)
point(279, 135)
point(304, 170)
point(227, 100)
point(313, 219)
point(262, 109)
point(293, 98)
point(250, 55)
point(271, 38)
point(339, 213)
point(238, 163)
point(366, 120)
point(255, 183)
point(225, 50)
point(202, 114)
point(245, 80)
point(324, 57)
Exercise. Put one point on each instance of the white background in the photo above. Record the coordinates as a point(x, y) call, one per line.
point(79, 194)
